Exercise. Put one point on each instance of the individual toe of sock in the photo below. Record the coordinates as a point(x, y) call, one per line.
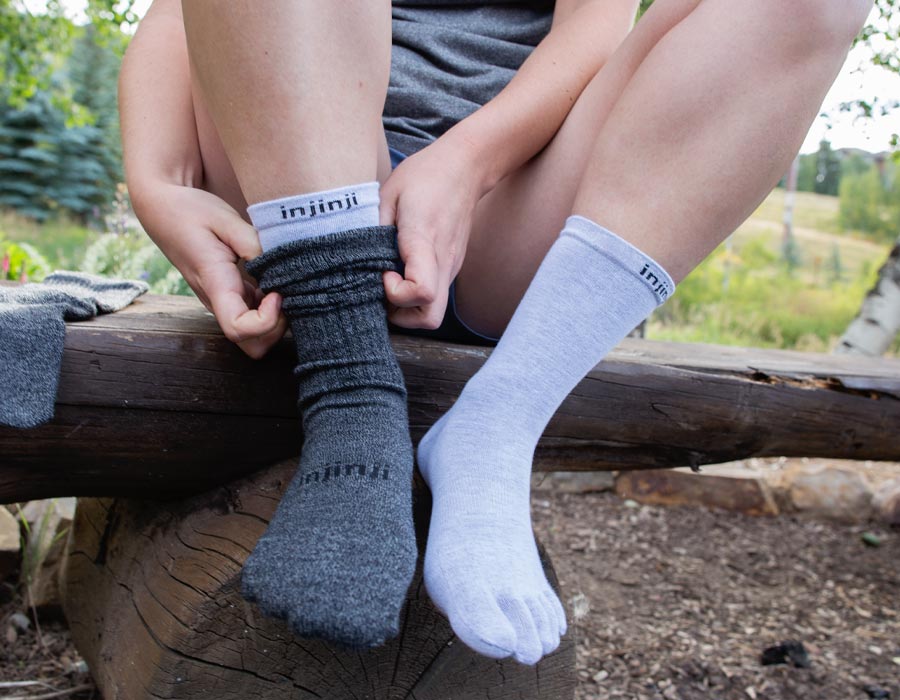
point(478, 621)
point(560, 614)
point(528, 642)
point(545, 621)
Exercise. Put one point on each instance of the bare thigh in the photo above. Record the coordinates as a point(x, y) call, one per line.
point(517, 222)
point(218, 175)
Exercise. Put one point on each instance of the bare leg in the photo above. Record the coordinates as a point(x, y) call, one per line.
point(704, 126)
point(295, 89)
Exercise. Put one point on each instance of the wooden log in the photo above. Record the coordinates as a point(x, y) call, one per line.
point(150, 590)
point(154, 400)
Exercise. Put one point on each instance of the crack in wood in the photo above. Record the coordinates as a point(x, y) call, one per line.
point(197, 660)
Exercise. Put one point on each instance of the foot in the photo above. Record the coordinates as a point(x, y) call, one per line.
point(338, 556)
point(340, 551)
point(482, 567)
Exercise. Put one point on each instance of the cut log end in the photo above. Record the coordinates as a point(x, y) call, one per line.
point(151, 593)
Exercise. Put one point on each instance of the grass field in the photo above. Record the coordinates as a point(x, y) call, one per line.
point(816, 230)
point(812, 211)
point(745, 294)
point(62, 242)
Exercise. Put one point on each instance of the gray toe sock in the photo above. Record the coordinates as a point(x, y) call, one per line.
point(339, 554)
point(32, 332)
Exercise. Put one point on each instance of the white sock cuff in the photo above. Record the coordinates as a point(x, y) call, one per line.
point(620, 251)
point(315, 214)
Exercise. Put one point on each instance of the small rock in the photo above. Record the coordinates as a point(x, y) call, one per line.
point(886, 502)
point(600, 676)
point(871, 539)
point(876, 650)
point(830, 492)
point(788, 651)
point(580, 606)
point(751, 692)
point(877, 693)
point(20, 620)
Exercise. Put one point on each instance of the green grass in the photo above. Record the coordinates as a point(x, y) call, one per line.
point(812, 211)
point(745, 295)
point(62, 241)
point(67, 245)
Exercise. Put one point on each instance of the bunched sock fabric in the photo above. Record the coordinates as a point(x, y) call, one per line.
point(33, 331)
point(481, 563)
point(340, 552)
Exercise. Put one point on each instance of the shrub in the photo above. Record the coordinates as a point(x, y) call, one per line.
point(21, 261)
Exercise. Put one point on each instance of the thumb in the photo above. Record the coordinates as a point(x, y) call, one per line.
point(238, 235)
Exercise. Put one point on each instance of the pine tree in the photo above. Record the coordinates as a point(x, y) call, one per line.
point(47, 167)
point(28, 156)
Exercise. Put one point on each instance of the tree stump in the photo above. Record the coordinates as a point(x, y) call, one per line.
point(151, 591)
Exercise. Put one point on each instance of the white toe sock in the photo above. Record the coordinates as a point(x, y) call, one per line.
point(481, 563)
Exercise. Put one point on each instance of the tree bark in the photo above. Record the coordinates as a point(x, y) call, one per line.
point(874, 329)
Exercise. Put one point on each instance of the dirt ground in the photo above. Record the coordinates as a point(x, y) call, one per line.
point(667, 604)
point(679, 603)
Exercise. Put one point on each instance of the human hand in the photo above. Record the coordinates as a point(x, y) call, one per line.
point(431, 198)
point(205, 238)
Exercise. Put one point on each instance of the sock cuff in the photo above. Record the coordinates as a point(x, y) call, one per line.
point(306, 265)
point(108, 293)
point(625, 254)
point(307, 207)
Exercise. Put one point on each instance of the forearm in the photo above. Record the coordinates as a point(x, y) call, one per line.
point(159, 133)
point(521, 120)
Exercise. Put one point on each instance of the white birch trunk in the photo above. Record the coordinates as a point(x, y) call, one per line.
point(876, 326)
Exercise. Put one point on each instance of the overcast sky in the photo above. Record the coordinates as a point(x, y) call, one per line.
point(858, 80)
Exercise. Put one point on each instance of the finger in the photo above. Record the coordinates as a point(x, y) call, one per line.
point(390, 279)
point(419, 284)
point(258, 347)
point(238, 235)
point(429, 316)
point(238, 321)
point(251, 291)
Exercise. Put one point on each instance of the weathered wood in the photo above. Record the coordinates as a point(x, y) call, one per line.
point(154, 400)
point(151, 593)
